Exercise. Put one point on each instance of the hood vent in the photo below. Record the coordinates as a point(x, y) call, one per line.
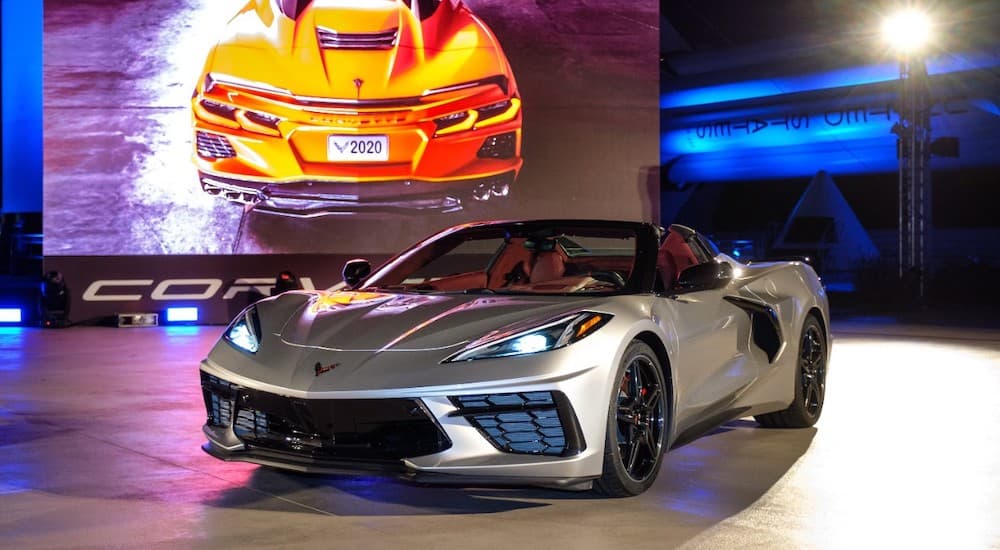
point(333, 40)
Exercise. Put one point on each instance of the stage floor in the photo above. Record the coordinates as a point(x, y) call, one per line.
point(100, 434)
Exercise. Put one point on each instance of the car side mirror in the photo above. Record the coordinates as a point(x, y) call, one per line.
point(706, 276)
point(355, 271)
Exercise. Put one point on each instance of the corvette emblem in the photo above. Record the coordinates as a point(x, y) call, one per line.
point(357, 85)
point(320, 369)
point(340, 147)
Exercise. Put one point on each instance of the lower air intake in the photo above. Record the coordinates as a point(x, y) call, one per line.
point(323, 429)
point(537, 423)
point(219, 396)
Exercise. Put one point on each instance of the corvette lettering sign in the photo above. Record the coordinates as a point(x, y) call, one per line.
point(131, 290)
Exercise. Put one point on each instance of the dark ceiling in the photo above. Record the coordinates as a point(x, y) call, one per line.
point(713, 28)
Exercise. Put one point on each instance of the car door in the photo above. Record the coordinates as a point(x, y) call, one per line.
point(710, 370)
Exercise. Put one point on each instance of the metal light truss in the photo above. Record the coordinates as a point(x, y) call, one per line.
point(914, 131)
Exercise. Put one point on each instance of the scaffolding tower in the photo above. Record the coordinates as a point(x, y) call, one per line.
point(914, 152)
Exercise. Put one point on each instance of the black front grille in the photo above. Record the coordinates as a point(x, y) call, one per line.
point(540, 423)
point(324, 429)
point(213, 146)
point(218, 400)
point(331, 39)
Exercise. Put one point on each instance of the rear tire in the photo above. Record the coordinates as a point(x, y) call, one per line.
point(637, 424)
point(810, 382)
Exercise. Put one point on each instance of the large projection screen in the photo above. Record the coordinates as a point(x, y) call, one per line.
point(124, 81)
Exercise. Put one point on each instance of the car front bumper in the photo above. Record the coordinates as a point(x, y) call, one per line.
point(531, 435)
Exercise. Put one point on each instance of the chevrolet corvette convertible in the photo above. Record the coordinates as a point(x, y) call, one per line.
point(313, 107)
point(556, 353)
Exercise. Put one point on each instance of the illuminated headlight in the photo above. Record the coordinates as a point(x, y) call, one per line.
point(244, 332)
point(549, 336)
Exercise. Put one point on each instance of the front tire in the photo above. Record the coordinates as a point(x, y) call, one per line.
point(637, 427)
point(810, 382)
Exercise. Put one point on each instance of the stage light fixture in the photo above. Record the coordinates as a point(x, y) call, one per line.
point(11, 315)
point(128, 320)
point(285, 281)
point(53, 304)
point(908, 31)
point(182, 314)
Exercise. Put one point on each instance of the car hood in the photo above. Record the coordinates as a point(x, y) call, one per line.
point(334, 341)
point(377, 322)
point(450, 47)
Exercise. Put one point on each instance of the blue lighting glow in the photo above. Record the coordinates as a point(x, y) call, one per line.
point(182, 314)
point(753, 89)
point(837, 120)
point(21, 26)
point(779, 126)
point(841, 286)
point(828, 80)
point(530, 343)
point(10, 315)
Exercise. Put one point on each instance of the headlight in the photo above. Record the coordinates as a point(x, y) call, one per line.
point(244, 333)
point(549, 336)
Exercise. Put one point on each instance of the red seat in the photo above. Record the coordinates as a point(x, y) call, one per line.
point(548, 265)
point(674, 257)
point(506, 265)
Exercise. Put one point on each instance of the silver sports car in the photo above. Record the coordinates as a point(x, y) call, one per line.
point(560, 353)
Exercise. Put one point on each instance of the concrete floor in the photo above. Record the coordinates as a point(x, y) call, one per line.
point(119, 180)
point(100, 433)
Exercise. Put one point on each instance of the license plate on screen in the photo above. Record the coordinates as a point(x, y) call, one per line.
point(358, 148)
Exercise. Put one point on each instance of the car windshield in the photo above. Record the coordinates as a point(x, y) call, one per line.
point(517, 259)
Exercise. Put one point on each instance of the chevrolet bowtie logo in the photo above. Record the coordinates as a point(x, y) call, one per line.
point(320, 369)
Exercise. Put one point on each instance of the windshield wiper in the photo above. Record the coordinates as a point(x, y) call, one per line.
point(400, 288)
point(479, 291)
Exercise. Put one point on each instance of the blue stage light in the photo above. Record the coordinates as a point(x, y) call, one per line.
point(182, 314)
point(846, 77)
point(10, 315)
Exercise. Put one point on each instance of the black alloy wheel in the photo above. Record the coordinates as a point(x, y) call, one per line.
point(812, 365)
point(636, 424)
point(810, 382)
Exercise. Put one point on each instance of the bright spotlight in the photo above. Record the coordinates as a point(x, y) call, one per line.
point(908, 31)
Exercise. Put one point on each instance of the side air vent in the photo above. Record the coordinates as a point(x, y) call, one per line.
point(765, 329)
point(332, 40)
point(213, 146)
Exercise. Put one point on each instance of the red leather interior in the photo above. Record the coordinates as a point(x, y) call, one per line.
point(462, 281)
point(674, 256)
point(548, 265)
point(513, 253)
point(667, 267)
